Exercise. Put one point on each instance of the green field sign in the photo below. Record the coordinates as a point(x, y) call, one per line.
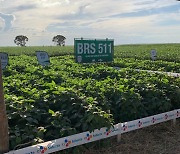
point(92, 51)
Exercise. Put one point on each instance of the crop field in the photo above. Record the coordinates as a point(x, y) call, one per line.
point(65, 98)
point(166, 52)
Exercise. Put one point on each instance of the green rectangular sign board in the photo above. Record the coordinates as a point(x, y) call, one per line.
point(92, 51)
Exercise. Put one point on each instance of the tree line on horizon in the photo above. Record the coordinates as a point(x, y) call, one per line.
point(21, 40)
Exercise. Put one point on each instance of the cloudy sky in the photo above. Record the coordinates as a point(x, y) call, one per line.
point(126, 21)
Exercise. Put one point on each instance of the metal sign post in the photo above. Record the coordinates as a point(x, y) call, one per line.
point(4, 137)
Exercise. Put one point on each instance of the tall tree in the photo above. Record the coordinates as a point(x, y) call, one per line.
point(20, 40)
point(59, 40)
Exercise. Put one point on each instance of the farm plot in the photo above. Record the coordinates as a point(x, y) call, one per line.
point(67, 98)
point(165, 52)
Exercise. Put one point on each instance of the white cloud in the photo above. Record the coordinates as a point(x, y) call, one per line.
point(41, 19)
point(8, 20)
point(52, 3)
point(1, 22)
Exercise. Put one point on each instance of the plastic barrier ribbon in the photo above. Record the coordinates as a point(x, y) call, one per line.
point(87, 137)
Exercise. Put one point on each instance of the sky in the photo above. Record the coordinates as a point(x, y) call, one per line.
point(125, 21)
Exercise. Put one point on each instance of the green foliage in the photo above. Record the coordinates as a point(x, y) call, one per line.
point(165, 52)
point(67, 98)
point(30, 50)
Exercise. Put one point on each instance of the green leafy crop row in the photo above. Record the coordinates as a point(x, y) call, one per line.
point(165, 52)
point(67, 98)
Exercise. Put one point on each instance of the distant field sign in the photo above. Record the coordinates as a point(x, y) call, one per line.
point(43, 58)
point(92, 51)
point(4, 59)
point(153, 54)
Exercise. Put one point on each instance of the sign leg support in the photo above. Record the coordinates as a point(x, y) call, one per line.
point(119, 138)
point(174, 122)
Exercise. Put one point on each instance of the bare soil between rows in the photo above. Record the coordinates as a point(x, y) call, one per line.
point(161, 138)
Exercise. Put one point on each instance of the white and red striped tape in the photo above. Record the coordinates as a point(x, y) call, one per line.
point(87, 137)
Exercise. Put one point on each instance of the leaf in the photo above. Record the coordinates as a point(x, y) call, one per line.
point(51, 112)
